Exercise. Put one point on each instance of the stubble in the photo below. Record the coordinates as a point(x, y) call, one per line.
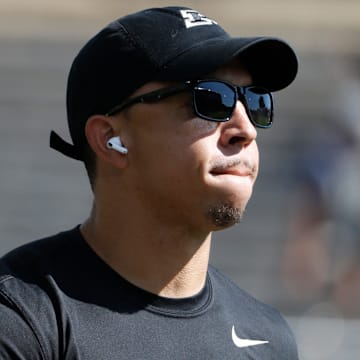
point(225, 215)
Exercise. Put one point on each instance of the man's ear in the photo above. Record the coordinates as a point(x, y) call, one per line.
point(98, 130)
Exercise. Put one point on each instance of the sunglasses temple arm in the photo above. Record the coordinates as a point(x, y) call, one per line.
point(157, 95)
point(122, 106)
point(153, 96)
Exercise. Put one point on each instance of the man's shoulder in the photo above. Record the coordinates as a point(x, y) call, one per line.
point(24, 271)
point(232, 296)
point(29, 297)
point(252, 316)
point(35, 257)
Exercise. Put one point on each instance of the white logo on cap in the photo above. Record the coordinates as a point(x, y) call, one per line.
point(193, 18)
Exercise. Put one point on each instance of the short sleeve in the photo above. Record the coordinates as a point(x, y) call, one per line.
point(17, 339)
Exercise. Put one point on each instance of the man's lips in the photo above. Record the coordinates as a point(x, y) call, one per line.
point(237, 167)
point(231, 171)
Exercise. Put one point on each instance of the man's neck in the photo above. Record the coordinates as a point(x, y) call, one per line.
point(167, 261)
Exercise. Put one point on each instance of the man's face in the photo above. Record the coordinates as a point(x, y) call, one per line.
point(188, 170)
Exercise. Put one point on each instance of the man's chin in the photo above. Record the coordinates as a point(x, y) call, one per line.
point(225, 215)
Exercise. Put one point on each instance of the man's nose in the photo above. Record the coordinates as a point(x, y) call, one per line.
point(239, 130)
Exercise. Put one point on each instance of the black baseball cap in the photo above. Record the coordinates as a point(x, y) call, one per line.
point(161, 44)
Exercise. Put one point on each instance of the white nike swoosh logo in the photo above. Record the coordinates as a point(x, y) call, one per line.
point(241, 343)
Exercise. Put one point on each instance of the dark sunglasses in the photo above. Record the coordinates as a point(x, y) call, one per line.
point(215, 100)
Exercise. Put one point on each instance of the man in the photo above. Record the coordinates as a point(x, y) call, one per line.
point(163, 107)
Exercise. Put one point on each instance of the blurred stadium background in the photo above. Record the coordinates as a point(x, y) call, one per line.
point(298, 247)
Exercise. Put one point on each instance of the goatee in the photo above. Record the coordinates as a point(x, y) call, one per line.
point(225, 215)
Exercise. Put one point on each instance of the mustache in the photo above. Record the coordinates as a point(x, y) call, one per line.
point(224, 164)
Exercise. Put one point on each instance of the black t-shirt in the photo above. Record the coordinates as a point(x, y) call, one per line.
point(59, 300)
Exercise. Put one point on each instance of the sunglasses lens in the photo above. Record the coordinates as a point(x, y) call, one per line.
point(214, 100)
point(259, 104)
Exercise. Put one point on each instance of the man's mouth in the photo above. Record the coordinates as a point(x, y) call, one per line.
point(234, 167)
point(231, 171)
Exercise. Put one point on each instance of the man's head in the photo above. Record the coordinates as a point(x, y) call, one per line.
point(173, 48)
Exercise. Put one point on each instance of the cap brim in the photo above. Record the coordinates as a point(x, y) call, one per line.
point(271, 61)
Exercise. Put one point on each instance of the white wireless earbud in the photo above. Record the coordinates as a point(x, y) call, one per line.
point(115, 143)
